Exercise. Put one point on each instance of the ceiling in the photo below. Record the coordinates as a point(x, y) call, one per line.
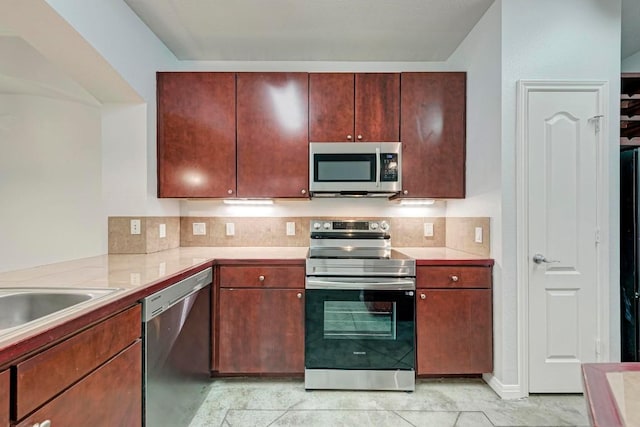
point(311, 30)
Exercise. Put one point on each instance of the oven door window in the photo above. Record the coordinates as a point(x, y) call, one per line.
point(359, 329)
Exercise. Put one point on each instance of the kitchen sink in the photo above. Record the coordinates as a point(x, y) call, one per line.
point(21, 307)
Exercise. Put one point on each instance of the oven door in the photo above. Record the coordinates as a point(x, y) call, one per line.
point(360, 326)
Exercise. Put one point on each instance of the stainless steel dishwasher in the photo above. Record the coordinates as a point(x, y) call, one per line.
point(176, 361)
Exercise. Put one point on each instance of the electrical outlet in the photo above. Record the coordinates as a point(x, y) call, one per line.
point(230, 228)
point(478, 237)
point(134, 278)
point(291, 228)
point(162, 269)
point(162, 231)
point(199, 229)
point(428, 229)
point(135, 226)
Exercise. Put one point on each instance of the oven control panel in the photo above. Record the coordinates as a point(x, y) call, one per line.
point(350, 226)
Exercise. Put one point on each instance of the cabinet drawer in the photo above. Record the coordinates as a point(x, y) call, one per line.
point(46, 374)
point(262, 276)
point(4, 398)
point(110, 396)
point(453, 277)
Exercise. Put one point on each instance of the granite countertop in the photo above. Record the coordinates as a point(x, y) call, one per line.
point(132, 275)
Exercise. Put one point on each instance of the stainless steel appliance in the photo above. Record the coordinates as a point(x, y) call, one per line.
point(176, 360)
point(355, 169)
point(630, 254)
point(359, 309)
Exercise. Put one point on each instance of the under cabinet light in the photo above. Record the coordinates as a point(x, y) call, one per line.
point(252, 202)
point(417, 202)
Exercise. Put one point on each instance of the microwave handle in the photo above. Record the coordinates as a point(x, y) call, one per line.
point(378, 167)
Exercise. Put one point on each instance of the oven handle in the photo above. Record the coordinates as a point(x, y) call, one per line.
point(361, 283)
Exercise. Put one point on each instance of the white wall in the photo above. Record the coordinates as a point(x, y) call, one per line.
point(50, 181)
point(631, 64)
point(480, 54)
point(128, 45)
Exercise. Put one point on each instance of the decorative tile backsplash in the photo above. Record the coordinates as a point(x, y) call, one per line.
point(455, 233)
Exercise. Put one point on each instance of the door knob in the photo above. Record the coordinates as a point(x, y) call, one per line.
point(539, 259)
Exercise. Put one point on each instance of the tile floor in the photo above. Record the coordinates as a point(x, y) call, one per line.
point(438, 403)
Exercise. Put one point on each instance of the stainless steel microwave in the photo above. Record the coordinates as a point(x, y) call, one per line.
point(355, 169)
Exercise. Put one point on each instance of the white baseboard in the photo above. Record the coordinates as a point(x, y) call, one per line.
point(505, 391)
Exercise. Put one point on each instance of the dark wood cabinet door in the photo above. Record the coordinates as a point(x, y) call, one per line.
point(196, 134)
point(4, 398)
point(432, 131)
point(43, 376)
point(331, 107)
point(377, 107)
point(454, 331)
point(272, 134)
point(109, 396)
point(261, 331)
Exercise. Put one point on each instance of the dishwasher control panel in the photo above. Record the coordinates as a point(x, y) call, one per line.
point(156, 303)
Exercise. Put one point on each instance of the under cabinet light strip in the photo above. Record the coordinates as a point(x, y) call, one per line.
point(417, 202)
point(254, 202)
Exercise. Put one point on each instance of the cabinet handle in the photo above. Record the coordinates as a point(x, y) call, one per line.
point(454, 278)
point(423, 296)
point(303, 191)
point(229, 191)
point(299, 295)
point(359, 137)
point(261, 278)
point(349, 137)
point(405, 192)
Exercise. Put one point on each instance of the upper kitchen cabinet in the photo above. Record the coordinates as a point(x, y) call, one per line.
point(196, 134)
point(272, 135)
point(433, 134)
point(363, 107)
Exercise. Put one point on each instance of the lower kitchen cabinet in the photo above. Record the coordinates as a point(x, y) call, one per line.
point(94, 377)
point(4, 398)
point(261, 331)
point(454, 324)
point(109, 396)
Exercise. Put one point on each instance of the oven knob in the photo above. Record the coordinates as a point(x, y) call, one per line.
point(327, 226)
point(316, 226)
point(373, 226)
point(384, 226)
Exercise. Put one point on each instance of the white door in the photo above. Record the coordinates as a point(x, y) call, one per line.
point(561, 140)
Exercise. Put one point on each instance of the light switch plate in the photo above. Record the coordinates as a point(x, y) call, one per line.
point(230, 228)
point(478, 238)
point(162, 231)
point(291, 228)
point(199, 229)
point(428, 229)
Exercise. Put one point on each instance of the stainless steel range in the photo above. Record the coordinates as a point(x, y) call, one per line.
point(359, 309)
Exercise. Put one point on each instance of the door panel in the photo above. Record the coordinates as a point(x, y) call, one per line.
point(377, 107)
point(331, 107)
point(273, 144)
point(562, 211)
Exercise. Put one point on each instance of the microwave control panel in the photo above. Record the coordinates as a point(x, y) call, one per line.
point(389, 167)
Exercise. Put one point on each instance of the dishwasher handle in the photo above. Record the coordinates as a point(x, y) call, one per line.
point(155, 304)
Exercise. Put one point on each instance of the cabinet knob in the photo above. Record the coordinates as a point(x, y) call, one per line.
point(349, 137)
point(303, 191)
point(46, 423)
point(261, 278)
point(229, 191)
point(423, 296)
point(405, 192)
point(299, 295)
point(359, 137)
point(454, 278)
